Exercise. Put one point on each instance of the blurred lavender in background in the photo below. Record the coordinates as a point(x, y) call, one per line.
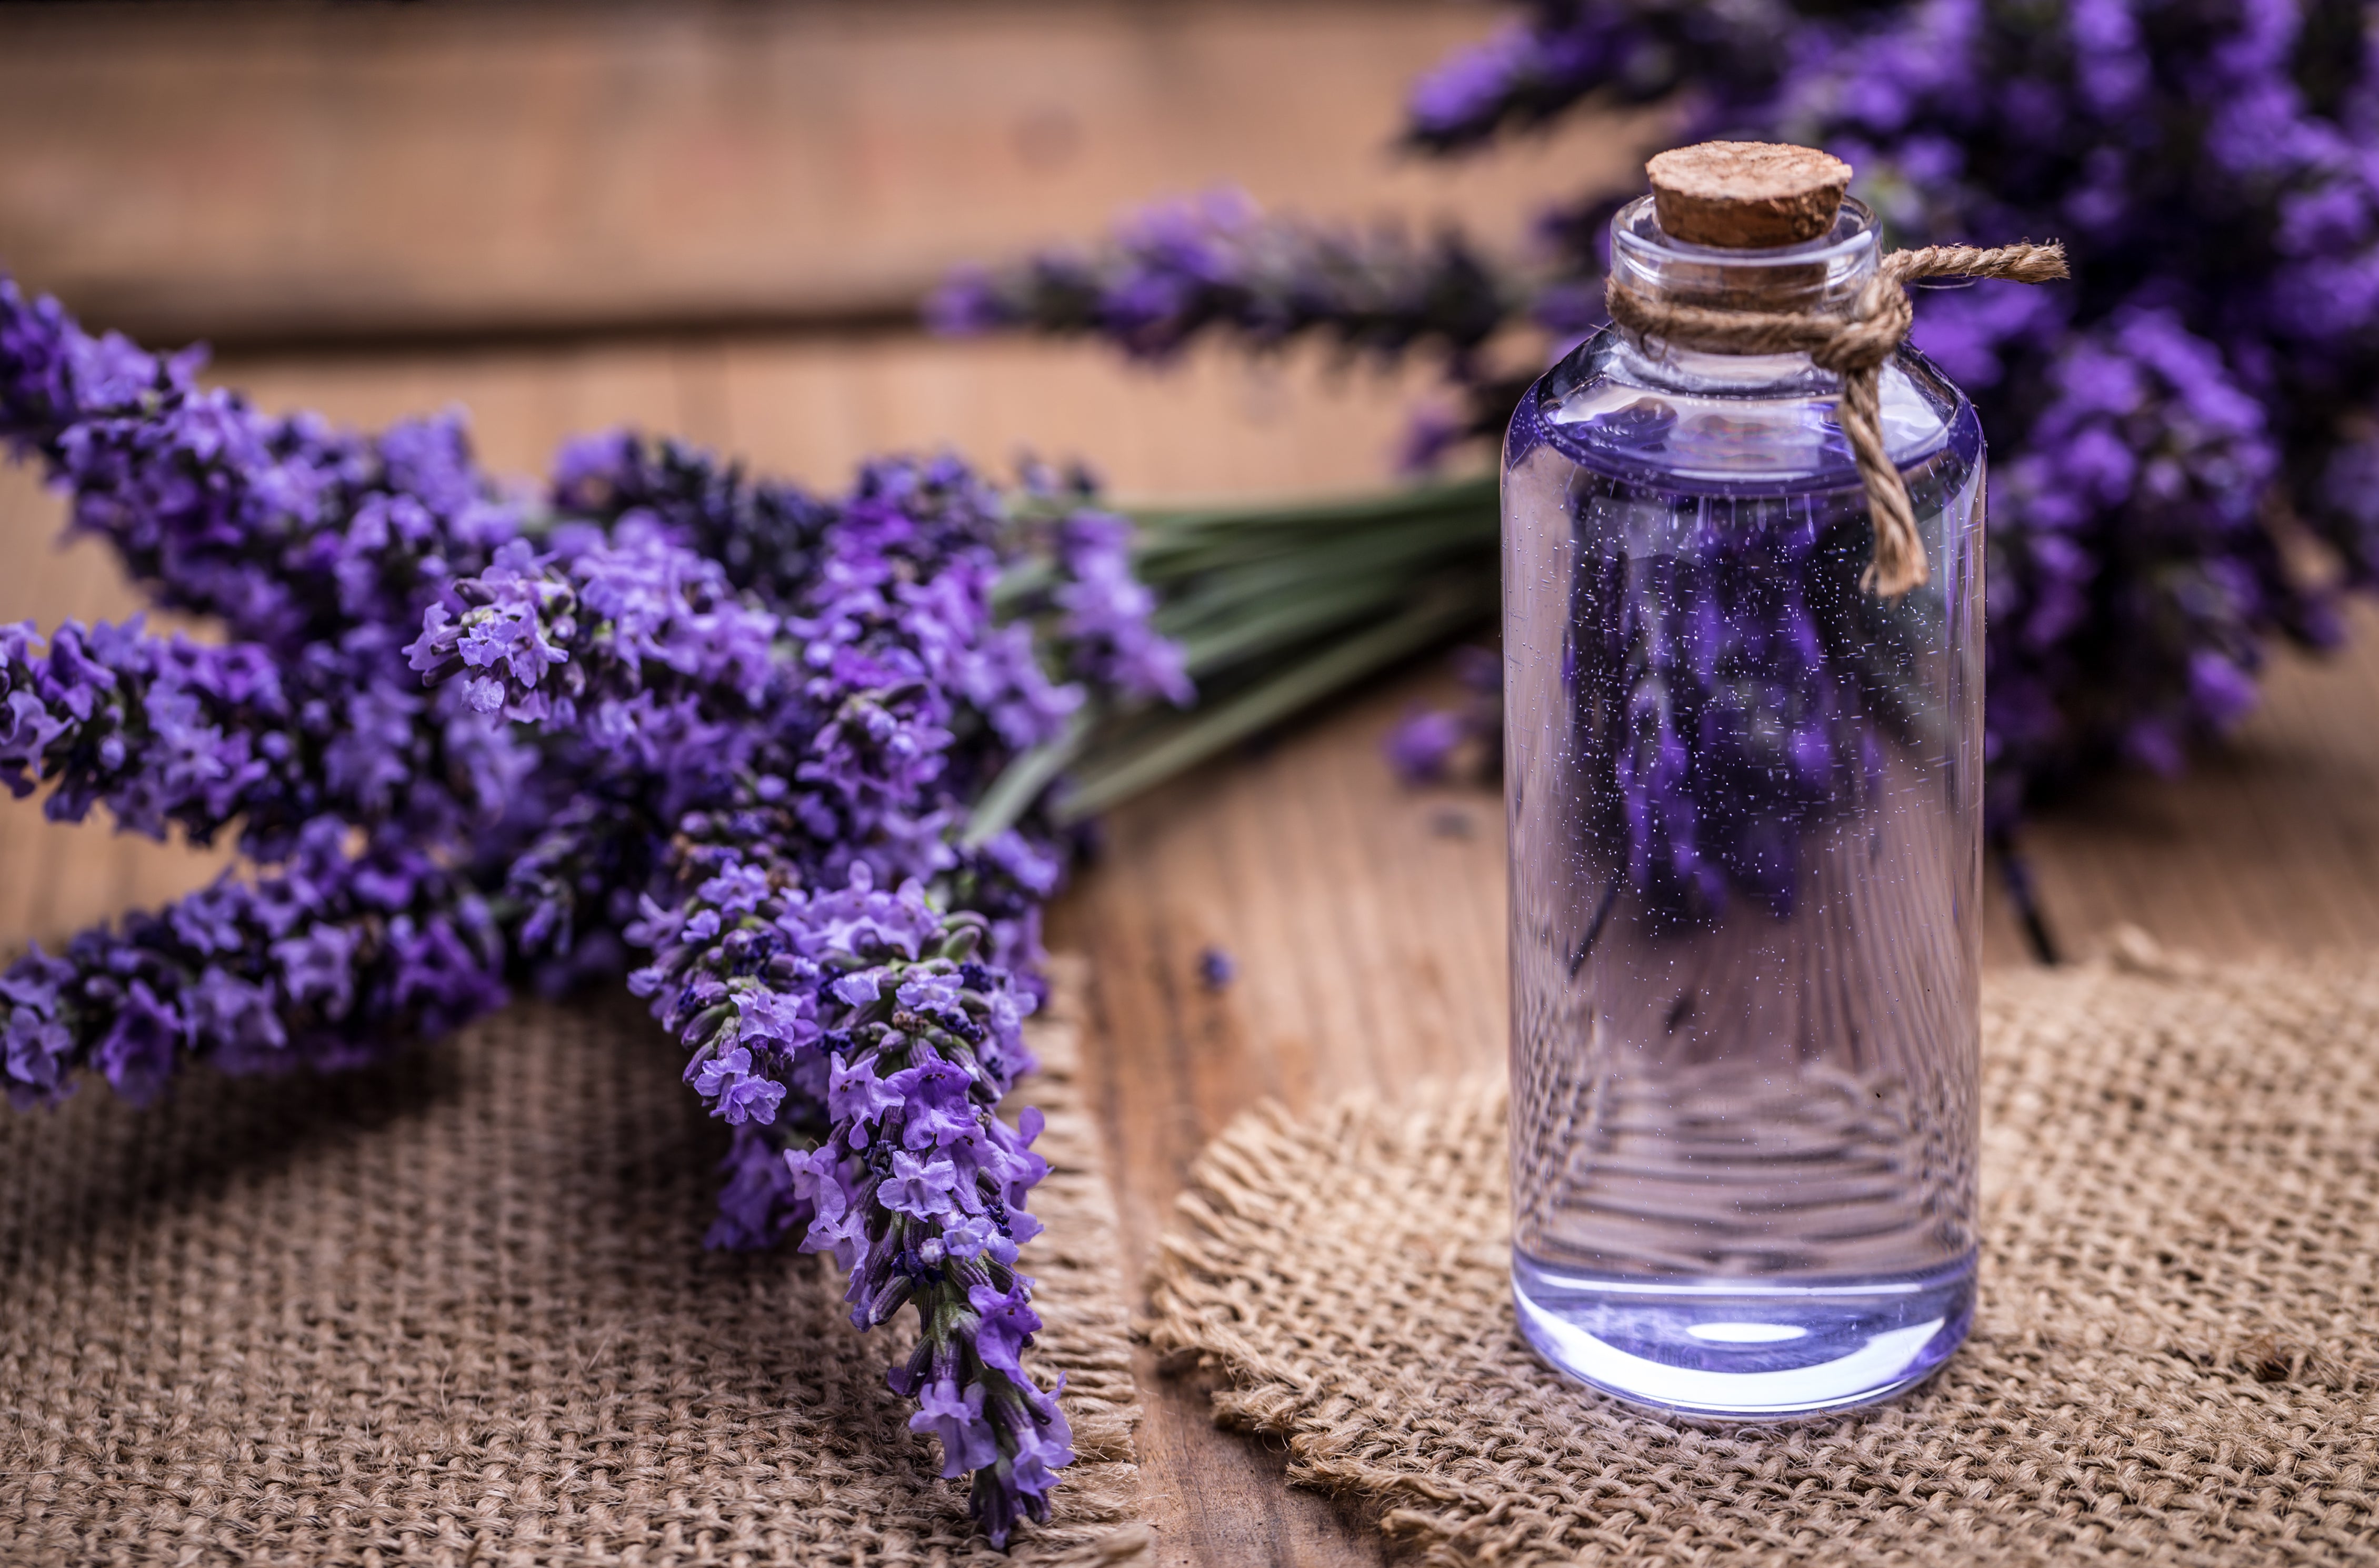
point(2186, 439)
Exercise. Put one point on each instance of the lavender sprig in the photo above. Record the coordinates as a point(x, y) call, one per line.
point(163, 731)
point(290, 532)
point(769, 537)
point(864, 1036)
point(2148, 465)
point(167, 732)
point(622, 627)
point(1564, 53)
point(856, 1030)
point(328, 961)
point(1216, 264)
point(314, 549)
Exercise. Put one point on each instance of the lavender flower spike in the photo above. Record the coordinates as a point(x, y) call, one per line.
point(620, 619)
point(291, 532)
point(857, 1031)
point(330, 962)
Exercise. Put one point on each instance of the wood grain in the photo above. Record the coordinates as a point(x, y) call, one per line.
point(277, 170)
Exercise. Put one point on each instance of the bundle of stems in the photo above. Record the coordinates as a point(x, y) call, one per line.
point(1275, 607)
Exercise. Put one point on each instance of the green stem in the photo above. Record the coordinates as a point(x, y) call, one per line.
point(1263, 599)
point(1290, 620)
point(1452, 495)
point(1020, 783)
point(1210, 732)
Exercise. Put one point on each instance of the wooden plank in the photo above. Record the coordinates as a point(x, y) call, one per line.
point(812, 410)
point(281, 170)
point(1369, 942)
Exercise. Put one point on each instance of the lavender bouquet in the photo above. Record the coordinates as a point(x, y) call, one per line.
point(468, 740)
point(2187, 437)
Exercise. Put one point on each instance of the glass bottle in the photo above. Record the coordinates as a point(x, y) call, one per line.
point(1744, 799)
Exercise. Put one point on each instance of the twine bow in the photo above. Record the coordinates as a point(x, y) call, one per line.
point(1854, 347)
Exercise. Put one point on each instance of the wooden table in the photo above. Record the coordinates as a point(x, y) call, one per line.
point(1366, 921)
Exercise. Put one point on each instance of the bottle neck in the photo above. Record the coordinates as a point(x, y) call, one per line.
point(1822, 276)
point(1664, 368)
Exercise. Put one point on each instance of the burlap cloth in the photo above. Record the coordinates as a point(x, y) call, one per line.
point(456, 1309)
point(2177, 1358)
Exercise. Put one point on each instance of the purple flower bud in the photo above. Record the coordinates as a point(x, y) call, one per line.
point(137, 1054)
point(858, 990)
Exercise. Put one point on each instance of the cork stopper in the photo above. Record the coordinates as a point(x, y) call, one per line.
point(1744, 195)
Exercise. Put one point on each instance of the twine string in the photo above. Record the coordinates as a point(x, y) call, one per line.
point(1855, 347)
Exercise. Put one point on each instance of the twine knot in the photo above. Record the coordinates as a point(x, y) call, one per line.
point(1853, 346)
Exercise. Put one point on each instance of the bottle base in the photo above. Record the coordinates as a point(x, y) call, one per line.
point(1744, 1350)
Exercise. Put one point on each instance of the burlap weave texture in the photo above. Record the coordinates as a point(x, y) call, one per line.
point(2176, 1356)
point(456, 1309)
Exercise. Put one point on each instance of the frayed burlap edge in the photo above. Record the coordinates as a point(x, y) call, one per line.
point(1250, 1188)
point(1344, 1275)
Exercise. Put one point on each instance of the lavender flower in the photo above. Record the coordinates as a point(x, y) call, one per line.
point(816, 749)
point(163, 731)
point(863, 1034)
point(328, 961)
point(2149, 461)
point(293, 534)
point(2186, 395)
point(872, 1009)
point(625, 629)
point(1566, 52)
point(472, 742)
point(1423, 746)
point(316, 550)
point(1106, 612)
